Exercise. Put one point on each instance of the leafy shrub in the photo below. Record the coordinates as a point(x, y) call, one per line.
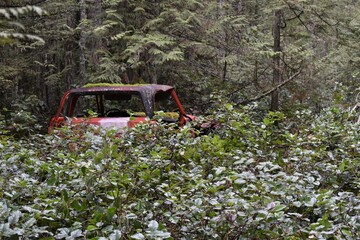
point(24, 117)
point(275, 177)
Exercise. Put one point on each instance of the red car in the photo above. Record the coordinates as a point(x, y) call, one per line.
point(119, 106)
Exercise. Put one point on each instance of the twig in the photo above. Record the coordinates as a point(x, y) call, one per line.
point(323, 19)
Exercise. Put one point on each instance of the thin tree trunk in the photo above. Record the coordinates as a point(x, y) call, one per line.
point(82, 43)
point(224, 70)
point(94, 44)
point(255, 76)
point(276, 61)
point(255, 22)
point(223, 50)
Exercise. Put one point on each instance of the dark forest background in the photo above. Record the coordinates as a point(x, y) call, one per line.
point(285, 54)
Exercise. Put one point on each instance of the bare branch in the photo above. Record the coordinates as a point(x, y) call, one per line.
point(244, 102)
point(323, 19)
point(297, 15)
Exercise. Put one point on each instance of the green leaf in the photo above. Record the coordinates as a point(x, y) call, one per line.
point(91, 228)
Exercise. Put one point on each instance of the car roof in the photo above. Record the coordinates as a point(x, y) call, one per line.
point(141, 88)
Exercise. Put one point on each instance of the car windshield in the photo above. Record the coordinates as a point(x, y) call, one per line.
point(105, 105)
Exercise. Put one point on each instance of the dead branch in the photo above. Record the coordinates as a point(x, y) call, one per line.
point(244, 102)
point(297, 15)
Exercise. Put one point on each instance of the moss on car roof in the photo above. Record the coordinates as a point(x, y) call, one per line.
point(111, 85)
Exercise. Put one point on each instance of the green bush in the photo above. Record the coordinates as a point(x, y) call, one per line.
point(25, 117)
point(252, 178)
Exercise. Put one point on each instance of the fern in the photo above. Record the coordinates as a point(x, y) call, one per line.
point(121, 35)
point(230, 59)
point(109, 72)
point(20, 36)
point(113, 20)
point(174, 55)
point(153, 24)
point(18, 11)
point(159, 40)
point(10, 34)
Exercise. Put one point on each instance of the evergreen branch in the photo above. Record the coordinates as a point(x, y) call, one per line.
point(19, 11)
point(244, 102)
point(6, 35)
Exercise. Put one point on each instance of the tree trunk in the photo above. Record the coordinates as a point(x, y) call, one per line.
point(225, 66)
point(276, 60)
point(82, 43)
point(94, 44)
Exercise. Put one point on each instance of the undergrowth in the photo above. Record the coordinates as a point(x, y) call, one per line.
point(280, 177)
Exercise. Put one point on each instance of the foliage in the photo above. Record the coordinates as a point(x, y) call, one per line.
point(9, 30)
point(269, 177)
point(24, 117)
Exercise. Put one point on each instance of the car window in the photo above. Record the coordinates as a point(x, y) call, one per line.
point(85, 106)
point(165, 106)
point(108, 105)
point(126, 104)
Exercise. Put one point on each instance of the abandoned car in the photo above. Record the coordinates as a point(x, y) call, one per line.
point(118, 106)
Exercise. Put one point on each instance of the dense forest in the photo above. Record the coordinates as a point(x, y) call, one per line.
point(279, 80)
point(305, 51)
